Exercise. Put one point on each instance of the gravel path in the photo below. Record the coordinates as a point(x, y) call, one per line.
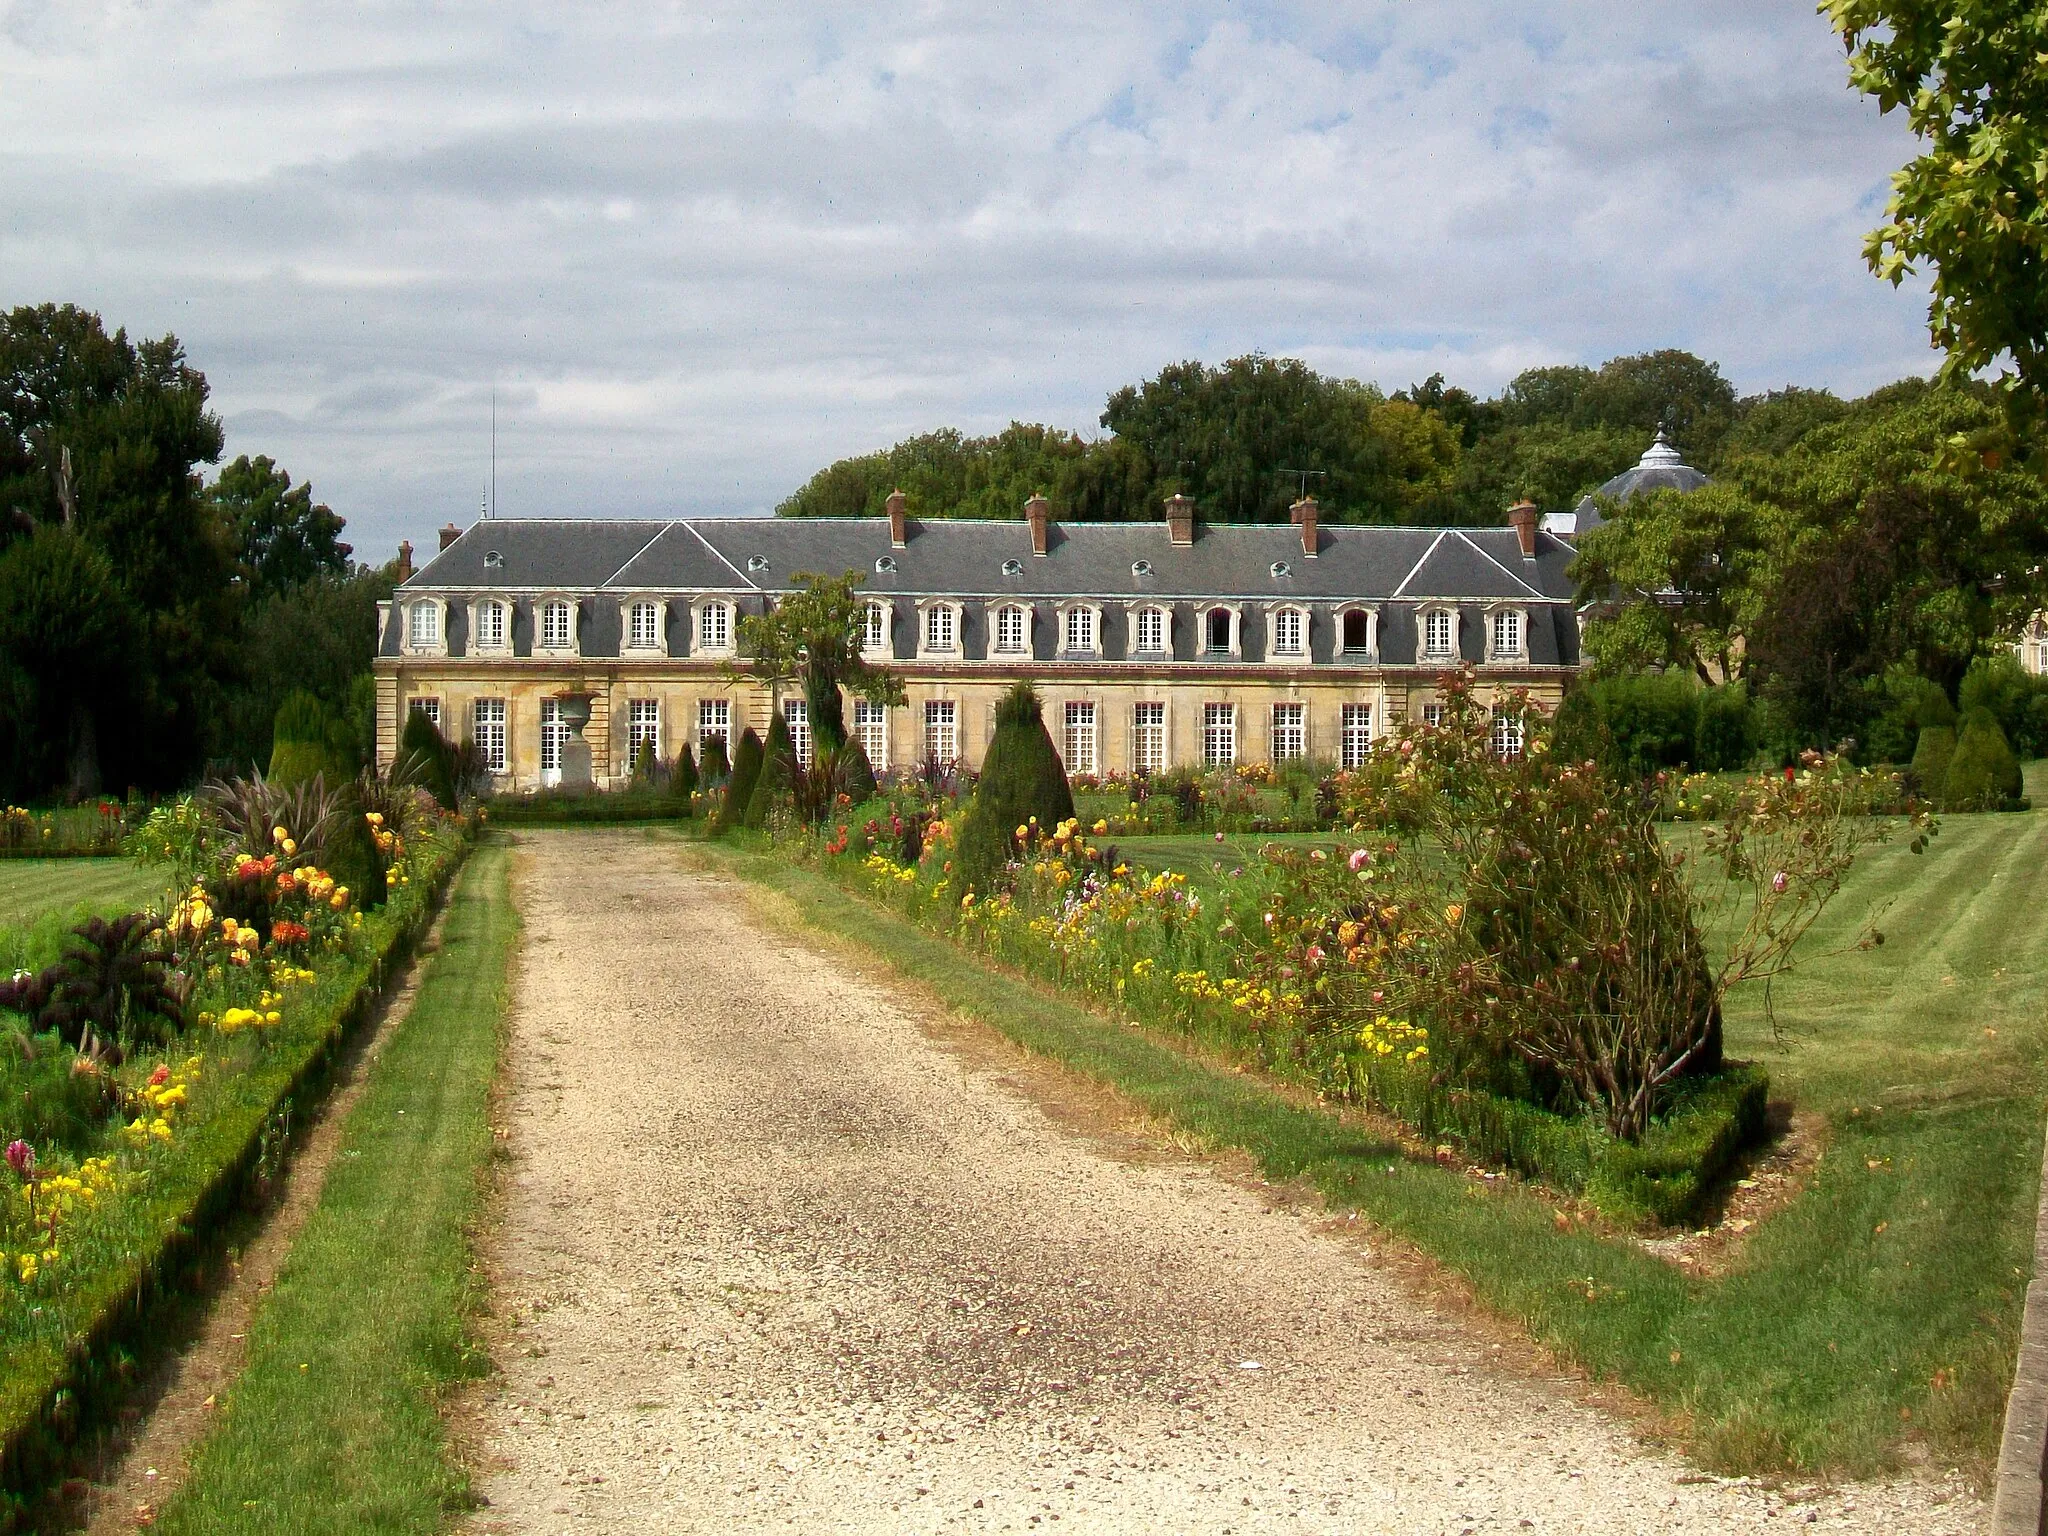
point(781, 1252)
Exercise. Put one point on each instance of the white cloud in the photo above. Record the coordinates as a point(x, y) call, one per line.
point(700, 256)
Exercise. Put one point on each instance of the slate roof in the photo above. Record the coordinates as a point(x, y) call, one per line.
point(1661, 468)
point(962, 558)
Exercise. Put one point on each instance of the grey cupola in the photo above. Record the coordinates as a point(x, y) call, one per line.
point(1661, 468)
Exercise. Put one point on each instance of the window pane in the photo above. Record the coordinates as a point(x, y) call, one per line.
point(938, 628)
point(431, 708)
point(487, 726)
point(1148, 747)
point(714, 718)
point(871, 726)
point(1290, 732)
point(1080, 739)
point(554, 627)
point(552, 734)
point(1356, 745)
point(1080, 629)
point(878, 627)
point(425, 624)
point(1287, 632)
point(643, 728)
point(1010, 630)
point(714, 626)
point(798, 717)
point(1219, 734)
point(942, 730)
point(1152, 629)
point(645, 630)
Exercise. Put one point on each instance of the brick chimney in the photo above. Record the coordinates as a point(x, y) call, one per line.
point(1523, 518)
point(1037, 512)
point(405, 559)
point(449, 534)
point(1180, 521)
point(1304, 515)
point(899, 525)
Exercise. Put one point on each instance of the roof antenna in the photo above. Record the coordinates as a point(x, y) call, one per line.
point(1305, 475)
point(491, 506)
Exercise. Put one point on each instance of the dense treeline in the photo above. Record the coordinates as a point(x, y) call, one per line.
point(1244, 439)
point(151, 622)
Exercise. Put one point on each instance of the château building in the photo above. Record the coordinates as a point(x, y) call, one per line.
point(1151, 644)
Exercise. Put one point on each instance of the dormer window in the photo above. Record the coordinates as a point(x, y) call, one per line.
point(1290, 632)
point(885, 565)
point(1149, 635)
point(557, 625)
point(493, 560)
point(1013, 630)
point(1077, 630)
point(643, 626)
point(1439, 634)
point(1358, 637)
point(714, 626)
point(1507, 637)
point(1219, 631)
point(756, 564)
point(874, 634)
point(423, 625)
point(1141, 568)
point(489, 625)
point(1280, 569)
point(941, 629)
point(1013, 567)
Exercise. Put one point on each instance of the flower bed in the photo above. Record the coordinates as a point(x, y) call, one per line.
point(121, 1165)
point(88, 831)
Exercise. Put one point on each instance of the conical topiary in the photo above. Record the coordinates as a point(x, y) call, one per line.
point(424, 757)
point(779, 769)
point(1931, 757)
point(1021, 779)
point(856, 774)
point(1983, 775)
point(299, 742)
point(716, 767)
point(739, 787)
point(682, 778)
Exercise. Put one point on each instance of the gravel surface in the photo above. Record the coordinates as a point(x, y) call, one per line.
point(782, 1250)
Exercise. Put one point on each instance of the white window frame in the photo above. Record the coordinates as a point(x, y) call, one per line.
point(1084, 617)
point(435, 610)
point(942, 729)
point(1219, 735)
point(1433, 713)
point(714, 718)
point(643, 723)
point(427, 704)
point(542, 645)
point(1081, 736)
point(871, 730)
point(714, 627)
point(934, 615)
point(630, 642)
point(483, 610)
point(1289, 740)
point(1298, 652)
point(490, 727)
point(1424, 650)
point(1509, 736)
point(1354, 739)
point(1021, 614)
point(1164, 617)
point(1148, 736)
point(554, 735)
point(1236, 612)
point(1496, 618)
point(796, 714)
point(878, 628)
point(1371, 615)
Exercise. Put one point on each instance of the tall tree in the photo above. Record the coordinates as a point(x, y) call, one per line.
point(281, 536)
point(813, 636)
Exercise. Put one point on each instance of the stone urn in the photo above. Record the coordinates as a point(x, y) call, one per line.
point(575, 708)
point(575, 714)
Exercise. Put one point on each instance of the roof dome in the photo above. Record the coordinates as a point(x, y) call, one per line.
point(1661, 468)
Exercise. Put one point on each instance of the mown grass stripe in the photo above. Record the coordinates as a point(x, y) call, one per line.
point(333, 1425)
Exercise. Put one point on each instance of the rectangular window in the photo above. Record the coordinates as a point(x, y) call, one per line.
point(1152, 630)
point(1080, 629)
point(871, 728)
point(431, 708)
point(1288, 629)
point(798, 717)
point(1507, 735)
point(714, 720)
point(552, 734)
point(714, 626)
point(938, 627)
point(645, 630)
point(1010, 630)
point(1356, 744)
point(942, 729)
point(1290, 732)
point(1432, 715)
point(1219, 735)
point(1080, 739)
point(643, 728)
point(554, 627)
point(487, 726)
point(1148, 738)
point(490, 626)
point(1436, 632)
point(1507, 634)
point(876, 634)
point(423, 625)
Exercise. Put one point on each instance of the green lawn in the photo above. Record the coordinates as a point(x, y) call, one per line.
point(1883, 1301)
point(333, 1427)
point(31, 887)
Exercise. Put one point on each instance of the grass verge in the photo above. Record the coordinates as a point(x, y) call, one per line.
point(1880, 1304)
point(333, 1426)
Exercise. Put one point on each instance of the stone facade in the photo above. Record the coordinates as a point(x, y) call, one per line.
point(1151, 644)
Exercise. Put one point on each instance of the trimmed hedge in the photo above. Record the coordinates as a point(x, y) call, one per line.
point(583, 810)
point(60, 1359)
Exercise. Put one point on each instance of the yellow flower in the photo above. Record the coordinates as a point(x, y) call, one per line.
point(25, 1266)
point(278, 834)
point(290, 848)
point(1099, 828)
point(1453, 912)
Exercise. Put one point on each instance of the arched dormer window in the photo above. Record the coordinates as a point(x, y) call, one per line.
point(1507, 635)
point(877, 628)
point(939, 629)
point(1287, 637)
point(1220, 631)
point(715, 627)
point(555, 625)
point(490, 626)
point(1080, 630)
point(1358, 631)
point(1010, 631)
point(1151, 630)
point(644, 626)
point(1437, 627)
point(426, 630)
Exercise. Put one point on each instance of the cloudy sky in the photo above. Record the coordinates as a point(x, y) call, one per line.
point(700, 253)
